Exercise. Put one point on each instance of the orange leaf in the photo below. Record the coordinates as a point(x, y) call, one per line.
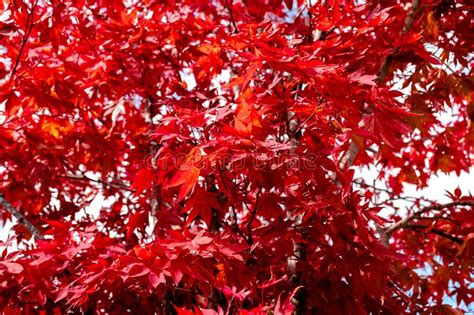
point(431, 26)
point(190, 179)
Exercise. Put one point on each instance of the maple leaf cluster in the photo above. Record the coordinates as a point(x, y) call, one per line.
point(197, 157)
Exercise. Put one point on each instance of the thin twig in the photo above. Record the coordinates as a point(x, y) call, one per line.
point(253, 213)
point(28, 28)
point(231, 14)
point(403, 222)
point(233, 214)
point(98, 181)
point(443, 234)
point(389, 192)
point(302, 125)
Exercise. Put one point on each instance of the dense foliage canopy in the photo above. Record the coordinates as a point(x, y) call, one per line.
point(198, 156)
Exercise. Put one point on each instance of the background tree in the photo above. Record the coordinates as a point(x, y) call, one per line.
point(223, 136)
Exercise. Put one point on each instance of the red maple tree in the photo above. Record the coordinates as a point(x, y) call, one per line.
point(223, 136)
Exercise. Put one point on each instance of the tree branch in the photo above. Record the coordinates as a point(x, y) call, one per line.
point(385, 234)
point(447, 236)
point(299, 248)
point(351, 153)
point(415, 4)
point(20, 217)
point(443, 234)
